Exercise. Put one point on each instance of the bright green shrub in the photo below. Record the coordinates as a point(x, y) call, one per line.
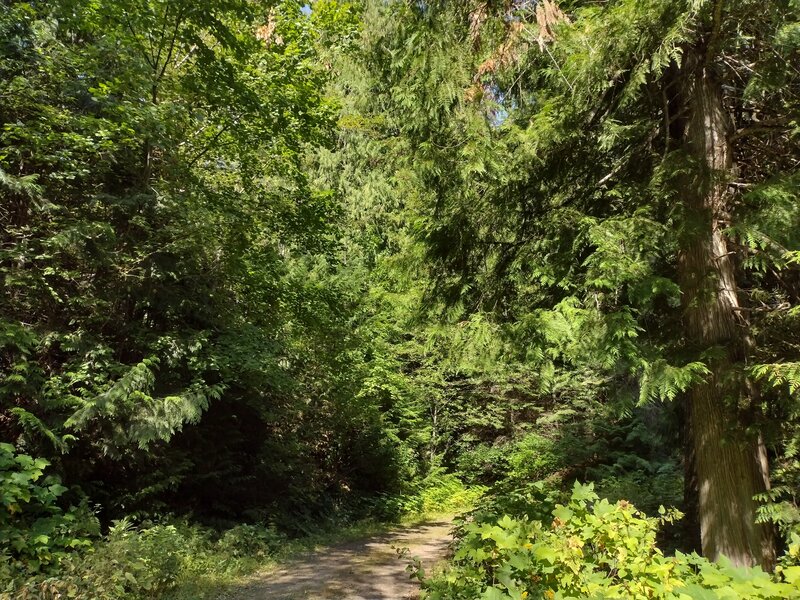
point(445, 492)
point(150, 562)
point(592, 549)
point(144, 563)
point(529, 458)
point(128, 564)
point(439, 492)
point(533, 500)
point(35, 532)
point(484, 463)
point(534, 457)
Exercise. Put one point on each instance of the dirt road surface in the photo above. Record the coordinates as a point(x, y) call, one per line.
point(368, 569)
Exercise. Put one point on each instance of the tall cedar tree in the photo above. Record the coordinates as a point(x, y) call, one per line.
point(632, 161)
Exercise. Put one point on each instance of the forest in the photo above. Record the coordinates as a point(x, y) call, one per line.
point(271, 269)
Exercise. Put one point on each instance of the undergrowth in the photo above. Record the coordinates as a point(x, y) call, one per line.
point(591, 548)
point(52, 553)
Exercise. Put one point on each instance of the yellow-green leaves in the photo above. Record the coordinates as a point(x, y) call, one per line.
point(593, 549)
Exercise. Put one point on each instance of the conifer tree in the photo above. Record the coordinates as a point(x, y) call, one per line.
point(617, 168)
point(173, 319)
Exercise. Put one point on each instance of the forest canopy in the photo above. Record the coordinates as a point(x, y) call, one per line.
point(274, 266)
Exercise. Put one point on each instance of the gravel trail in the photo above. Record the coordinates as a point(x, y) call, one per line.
point(368, 569)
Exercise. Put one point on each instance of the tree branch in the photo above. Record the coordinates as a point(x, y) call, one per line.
point(776, 126)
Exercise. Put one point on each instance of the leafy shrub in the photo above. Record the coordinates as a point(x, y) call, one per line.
point(529, 458)
point(129, 563)
point(150, 562)
point(593, 549)
point(444, 492)
point(35, 532)
point(534, 501)
point(534, 457)
point(484, 463)
point(649, 484)
point(250, 541)
point(440, 492)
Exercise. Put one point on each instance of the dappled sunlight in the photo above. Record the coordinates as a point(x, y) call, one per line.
point(371, 569)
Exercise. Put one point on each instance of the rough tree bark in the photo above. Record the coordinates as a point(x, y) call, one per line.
point(730, 464)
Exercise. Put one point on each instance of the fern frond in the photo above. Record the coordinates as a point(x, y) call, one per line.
point(662, 381)
point(24, 186)
point(33, 424)
point(778, 375)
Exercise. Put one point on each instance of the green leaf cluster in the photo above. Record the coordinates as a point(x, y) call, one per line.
point(35, 531)
point(591, 548)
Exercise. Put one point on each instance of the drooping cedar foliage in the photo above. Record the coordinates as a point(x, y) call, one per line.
point(281, 262)
point(613, 185)
point(173, 327)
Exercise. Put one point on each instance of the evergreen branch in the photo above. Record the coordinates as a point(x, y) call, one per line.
point(662, 381)
point(778, 375)
point(34, 424)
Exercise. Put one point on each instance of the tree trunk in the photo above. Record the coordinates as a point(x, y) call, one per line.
point(730, 464)
point(690, 524)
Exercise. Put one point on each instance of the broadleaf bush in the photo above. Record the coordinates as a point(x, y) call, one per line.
point(35, 531)
point(592, 548)
point(151, 561)
point(439, 492)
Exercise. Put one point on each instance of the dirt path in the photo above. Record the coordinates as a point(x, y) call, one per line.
point(368, 569)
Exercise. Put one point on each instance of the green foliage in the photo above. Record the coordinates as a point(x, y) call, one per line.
point(529, 457)
point(544, 174)
point(385, 257)
point(152, 561)
point(36, 533)
point(534, 457)
point(591, 549)
point(780, 504)
point(172, 294)
point(779, 375)
point(253, 541)
point(779, 507)
point(661, 381)
point(532, 500)
point(146, 419)
point(437, 493)
point(444, 492)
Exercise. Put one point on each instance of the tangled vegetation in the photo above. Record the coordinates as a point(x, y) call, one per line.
point(595, 549)
point(272, 268)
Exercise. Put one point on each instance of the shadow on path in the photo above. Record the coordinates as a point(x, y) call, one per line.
point(368, 569)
